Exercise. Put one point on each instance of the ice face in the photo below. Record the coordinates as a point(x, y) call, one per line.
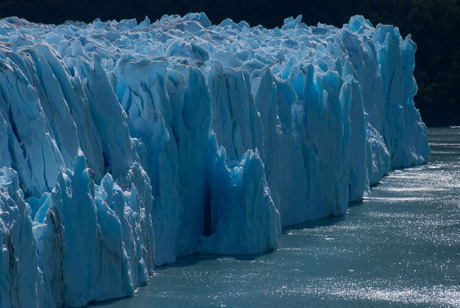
point(126, 145)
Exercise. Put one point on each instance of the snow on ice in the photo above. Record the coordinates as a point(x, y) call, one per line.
point(126, 145)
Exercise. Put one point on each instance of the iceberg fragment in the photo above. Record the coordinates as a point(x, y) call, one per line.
point(124, 145)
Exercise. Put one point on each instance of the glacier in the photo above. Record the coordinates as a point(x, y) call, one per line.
point(125, 145)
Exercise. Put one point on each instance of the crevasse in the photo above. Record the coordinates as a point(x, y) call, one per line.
point(126, 145)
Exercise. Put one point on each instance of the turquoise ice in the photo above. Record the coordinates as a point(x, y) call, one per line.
point(125, 145)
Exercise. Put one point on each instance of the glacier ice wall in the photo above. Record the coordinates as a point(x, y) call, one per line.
point(126, 145)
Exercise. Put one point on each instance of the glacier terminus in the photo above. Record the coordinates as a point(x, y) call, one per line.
point(126, 145)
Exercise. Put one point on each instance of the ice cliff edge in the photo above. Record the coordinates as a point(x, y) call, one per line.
point(126, 145)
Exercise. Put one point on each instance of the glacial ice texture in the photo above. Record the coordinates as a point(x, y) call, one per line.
point(126, 145)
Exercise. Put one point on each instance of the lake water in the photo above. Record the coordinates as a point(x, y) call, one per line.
point(400, 246)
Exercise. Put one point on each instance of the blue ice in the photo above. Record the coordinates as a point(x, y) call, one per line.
point(125, 145)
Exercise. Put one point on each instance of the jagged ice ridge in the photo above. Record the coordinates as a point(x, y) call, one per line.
point(126, 145)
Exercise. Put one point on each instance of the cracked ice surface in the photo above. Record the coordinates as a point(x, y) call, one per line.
point(126, 145)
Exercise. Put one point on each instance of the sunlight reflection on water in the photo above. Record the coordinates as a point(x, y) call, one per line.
point(401, 246)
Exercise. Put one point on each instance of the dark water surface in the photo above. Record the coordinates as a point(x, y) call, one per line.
point(400, 247)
